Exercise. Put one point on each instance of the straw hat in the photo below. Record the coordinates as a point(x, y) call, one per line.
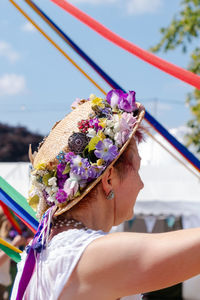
point(66, 137)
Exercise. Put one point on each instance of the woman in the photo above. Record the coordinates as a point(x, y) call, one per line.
point(85, 180)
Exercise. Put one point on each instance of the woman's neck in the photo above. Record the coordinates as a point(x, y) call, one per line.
point(96, 215)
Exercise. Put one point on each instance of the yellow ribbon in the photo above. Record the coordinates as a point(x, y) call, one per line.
point(8, 245)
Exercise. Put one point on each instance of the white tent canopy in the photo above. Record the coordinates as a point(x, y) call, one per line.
point(169, 187)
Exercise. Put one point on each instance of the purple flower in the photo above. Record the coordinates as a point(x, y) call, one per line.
point(80, 166)
point(61, 181)
point(114, 97)
point(106, 150)
point(60, 170)
point(61, 196)
point(92, 173)
point(94, 123)
point(68, 156)
point(127, 103)
point(106, 111)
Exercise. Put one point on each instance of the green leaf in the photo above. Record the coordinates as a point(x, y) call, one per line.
point(77, 194)
point(66, 170)
point(85, 152)
point(46, 177)
point(92, 143)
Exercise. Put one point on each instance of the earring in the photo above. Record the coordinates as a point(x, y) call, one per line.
point(111, 195)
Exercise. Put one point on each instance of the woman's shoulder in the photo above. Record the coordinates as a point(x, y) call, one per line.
point(74, 237)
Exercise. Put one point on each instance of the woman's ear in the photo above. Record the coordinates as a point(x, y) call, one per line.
point(108, 180)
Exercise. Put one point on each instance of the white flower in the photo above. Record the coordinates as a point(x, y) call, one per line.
point(33, 179)
point(116, 127)
point(39, 185)
point(109, 132)
point(114, 123)
point(77, 161)
point(51, 199)
point(48, 190)
point(54, 189)
point(52, 181)
point(91, 133)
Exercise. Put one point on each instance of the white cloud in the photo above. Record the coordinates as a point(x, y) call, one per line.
point(8, 52)
point(12, 84)
point(28, 27)
point(138, 7)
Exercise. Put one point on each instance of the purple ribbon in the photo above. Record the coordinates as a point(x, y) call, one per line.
point(33, 251)
point(27, 274)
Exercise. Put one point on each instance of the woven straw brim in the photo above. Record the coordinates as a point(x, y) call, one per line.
point(58, 141)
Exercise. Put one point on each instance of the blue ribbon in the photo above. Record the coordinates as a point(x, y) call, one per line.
point(5, 198)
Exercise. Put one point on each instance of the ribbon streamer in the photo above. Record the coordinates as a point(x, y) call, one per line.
point(14, 255)
point(11, 217)
point(150, 119)
point(150, 58)
point(10, 246)
point(18, 204)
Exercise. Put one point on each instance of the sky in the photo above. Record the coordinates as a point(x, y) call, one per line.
point(38, 84)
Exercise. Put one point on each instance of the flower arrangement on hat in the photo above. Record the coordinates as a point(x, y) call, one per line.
point(97, 143)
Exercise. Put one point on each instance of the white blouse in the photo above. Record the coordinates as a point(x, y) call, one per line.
point(56, 264)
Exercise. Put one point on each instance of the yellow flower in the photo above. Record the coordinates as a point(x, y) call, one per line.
point(101, 135)
point(100, 162)
point(41, 166)
point(33, 201)
point(98, 101)
point(92, 96)
point(102, 122)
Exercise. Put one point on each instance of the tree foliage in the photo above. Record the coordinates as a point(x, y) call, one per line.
point(14, 143)
point(182, 31)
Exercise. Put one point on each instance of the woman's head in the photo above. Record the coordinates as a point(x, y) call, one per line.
point(123, 180)
point(129, 184)
point(81, 148)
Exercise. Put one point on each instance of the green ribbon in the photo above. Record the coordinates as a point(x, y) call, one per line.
point(18, 198)
point(11, 253)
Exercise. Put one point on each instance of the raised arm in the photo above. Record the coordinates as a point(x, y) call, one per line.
point(122, 264)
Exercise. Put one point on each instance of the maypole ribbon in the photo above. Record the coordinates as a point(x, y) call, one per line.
point(153, 122)
point(10, 246)
point(150, 58)
point(10, 250)
point(11, 218)
point(18, 204)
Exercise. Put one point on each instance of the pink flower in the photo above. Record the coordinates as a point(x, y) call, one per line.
point(71, 186)
point(127, 121)
point(125, 127)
